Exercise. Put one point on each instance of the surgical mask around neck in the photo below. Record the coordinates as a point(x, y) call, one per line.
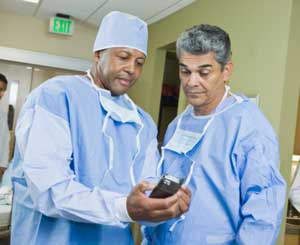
point(121, 108)
point(184, 140)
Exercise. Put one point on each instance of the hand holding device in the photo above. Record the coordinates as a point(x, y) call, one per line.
point(142, 208)
point(167, 186)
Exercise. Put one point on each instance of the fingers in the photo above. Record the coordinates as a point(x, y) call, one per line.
point(144, 186)
point(167, 208)
point(161, 215)
point(162, 203)
point(186, 190)
point(184, 195)
point(141, 207)
point(183, 206)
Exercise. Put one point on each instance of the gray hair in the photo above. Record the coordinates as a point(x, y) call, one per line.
point(202, 39)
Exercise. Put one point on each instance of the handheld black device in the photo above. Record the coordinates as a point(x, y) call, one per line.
point(167, 186)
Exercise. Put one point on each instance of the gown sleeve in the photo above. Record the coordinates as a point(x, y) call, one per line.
point(45, 149)
point(262, 191)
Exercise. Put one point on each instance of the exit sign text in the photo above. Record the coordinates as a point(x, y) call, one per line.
point(61, 26)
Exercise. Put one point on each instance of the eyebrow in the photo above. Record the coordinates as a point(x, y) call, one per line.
point(201, 66)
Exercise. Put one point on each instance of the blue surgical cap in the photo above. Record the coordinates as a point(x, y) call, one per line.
point(119, 29)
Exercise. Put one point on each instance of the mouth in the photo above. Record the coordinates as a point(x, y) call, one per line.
point(124, 81)
point(195, 93)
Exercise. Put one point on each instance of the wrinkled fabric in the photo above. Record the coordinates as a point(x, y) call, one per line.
point(238, 193)
point(69, 170)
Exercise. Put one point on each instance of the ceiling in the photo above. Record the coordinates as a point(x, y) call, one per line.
point(92, 11)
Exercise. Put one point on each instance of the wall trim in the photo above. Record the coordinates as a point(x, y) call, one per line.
point(44, 59)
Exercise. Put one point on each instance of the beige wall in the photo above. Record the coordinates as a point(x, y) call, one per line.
point(29, 33)
point(259, 41)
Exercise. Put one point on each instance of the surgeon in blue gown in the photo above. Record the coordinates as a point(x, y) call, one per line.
point(82, 147)
point(226, 150)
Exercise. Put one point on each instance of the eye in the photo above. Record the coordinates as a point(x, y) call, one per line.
point(123, 57)
point(183, 70)
point(204, 73)
point(140, 62)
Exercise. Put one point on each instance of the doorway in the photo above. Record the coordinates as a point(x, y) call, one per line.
point(169, 94)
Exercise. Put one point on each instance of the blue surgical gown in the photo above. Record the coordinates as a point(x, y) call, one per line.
point(64, 188)
point(238, 193)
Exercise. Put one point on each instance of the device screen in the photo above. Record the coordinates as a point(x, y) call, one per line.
point(167, 186)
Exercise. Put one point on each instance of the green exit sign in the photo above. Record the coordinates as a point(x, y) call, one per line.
point(61, 26)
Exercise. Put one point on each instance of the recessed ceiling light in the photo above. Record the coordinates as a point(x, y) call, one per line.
point(31, 1)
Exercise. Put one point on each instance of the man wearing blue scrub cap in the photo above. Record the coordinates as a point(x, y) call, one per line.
point(226, 150)
point(82, 147)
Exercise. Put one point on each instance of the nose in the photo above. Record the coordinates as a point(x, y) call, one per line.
point(194, 79)
point(130, 67)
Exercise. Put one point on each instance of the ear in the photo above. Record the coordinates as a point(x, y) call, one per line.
point(97, 56)
point(227, 71)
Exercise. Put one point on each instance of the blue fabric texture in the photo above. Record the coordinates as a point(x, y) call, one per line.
point(238, 193)
point(64, 190)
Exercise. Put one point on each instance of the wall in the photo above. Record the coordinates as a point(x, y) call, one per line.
point(259, 41)
point(29, 33)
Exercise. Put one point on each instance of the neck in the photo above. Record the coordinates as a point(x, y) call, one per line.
point(203, 111)
point(96, 76)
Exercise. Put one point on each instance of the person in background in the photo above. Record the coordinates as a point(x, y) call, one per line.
point(82, 145)
point(226, 150)
point(4, 131)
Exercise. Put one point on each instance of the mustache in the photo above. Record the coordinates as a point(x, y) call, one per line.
point(125, 77)
point(195, 91)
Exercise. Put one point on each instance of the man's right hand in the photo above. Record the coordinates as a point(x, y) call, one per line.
point(142, 208)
